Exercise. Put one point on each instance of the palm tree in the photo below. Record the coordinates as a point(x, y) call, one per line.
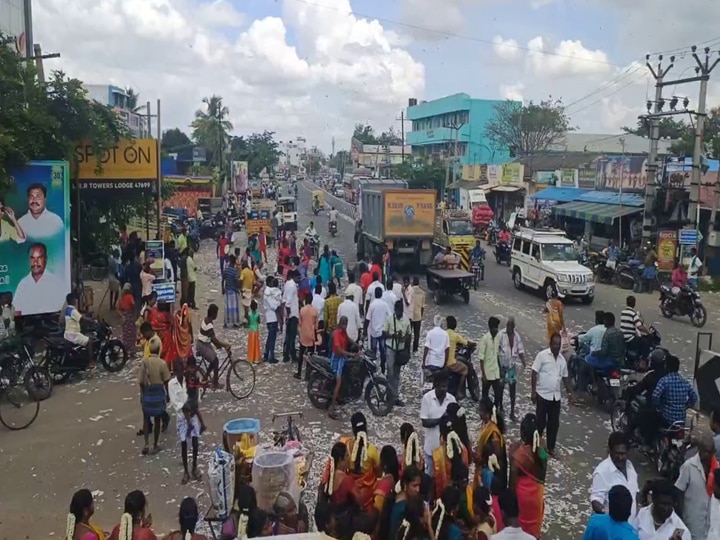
point(132, 100)
point(211, 129)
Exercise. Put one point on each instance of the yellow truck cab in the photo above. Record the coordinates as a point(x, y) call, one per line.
point(454, 229)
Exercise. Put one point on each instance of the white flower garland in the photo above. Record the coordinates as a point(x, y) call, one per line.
point(460, 412)
point(493, 463)
point(331, 480)
point(536, 441)
point(188, 535)
point(361, 536)
point(398, 486)
point(361, 436)
point(70, 527)
point(493, 415)
point(126, 527)
point(412, 449)
point(243, 524)
point(449, 446)
point(439, 506)
point(405, 527)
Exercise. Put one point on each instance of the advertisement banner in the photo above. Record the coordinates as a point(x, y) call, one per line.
point(409, 212)
point(586, 177)
point(130, 165)
point(155, 252)
point(546, 177)
point(666, 248)
point(568, 177)
point(512, 173)
point(239, 176)
point(628, 173)
point(35, 237)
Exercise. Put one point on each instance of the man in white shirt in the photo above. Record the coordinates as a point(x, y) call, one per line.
point(389, 297)
point(432, 408)
point(333, 216)
point(488, 354)
point(370, 293)
point(40, 291)
point(397, 334)
point(693, 268)
point(39, 222)
point(188, 422)
point(510, 510)
point(350, 309)
point(693, 484)
point(318, 302)
point(549, 373)
point(407, 297)
point(272, 298)
point(377, 313)
point(291, 308)
point(658, 521)
point(437, 346)
point(354, 290)
point(614, 470)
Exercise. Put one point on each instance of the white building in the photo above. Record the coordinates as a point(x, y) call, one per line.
point(118, 98)
point(293, 152)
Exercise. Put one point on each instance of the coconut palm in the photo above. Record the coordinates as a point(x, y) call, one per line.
point(211, 129)
point(132, 100)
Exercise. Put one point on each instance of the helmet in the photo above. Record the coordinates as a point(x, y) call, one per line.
point(657, 358)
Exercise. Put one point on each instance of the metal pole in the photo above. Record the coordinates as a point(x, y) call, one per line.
point(402, 135)
point(159, 171)
point(29, 43)
point(148, 128)
point(622, 179)
point(694, 208)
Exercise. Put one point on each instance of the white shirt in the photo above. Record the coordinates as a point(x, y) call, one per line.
point(290, 298)
point(279, 216)
point(333, 215)
point(46, 224)
point(356, 291)
point(205, 327)
point(272, 298)
point(644, 525)
point(169, 274)
point(236, 237)
point(606, 475)
point(408, 306)
point(178, 394)
point(350, 309)
point(43, 296)
point(397, 290)
point(72, 324)
point(550, 373)
point(370, 294)
point(714, 531)
point(431, 409)
point(437, 341)
point(512, 533)
point(694, 268)
point(377, 314)
point(389, 298)
point(318, 302)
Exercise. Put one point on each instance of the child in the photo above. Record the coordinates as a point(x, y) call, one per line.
point(188, 423)
point(192, 378)
point(253, 352)
point(262, 244)
point(7, 315)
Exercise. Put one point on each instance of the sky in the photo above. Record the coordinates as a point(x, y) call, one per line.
point(315, 68)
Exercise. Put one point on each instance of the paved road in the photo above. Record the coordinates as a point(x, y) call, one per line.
point(85, 435)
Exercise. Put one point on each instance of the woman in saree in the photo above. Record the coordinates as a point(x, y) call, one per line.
point(182, 332)
point(490, 450)
point(451, 458)
point(364, 460)
point(126, 307)
point(396, 502)
point(162, 322)
point(337, 485)
point(135, 522)
point(411, 454)
point(390, 478)
point(554, 313)
point(150, 302)
point(79, 527)
point(528, 468)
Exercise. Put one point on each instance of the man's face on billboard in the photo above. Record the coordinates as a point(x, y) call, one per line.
point(36, 201)
point(38, 261)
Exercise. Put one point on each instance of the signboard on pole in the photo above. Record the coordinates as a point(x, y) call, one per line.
point(689, 237)
point(666, 250)
point(35, 237)
point(130, 165)
point(239, 176)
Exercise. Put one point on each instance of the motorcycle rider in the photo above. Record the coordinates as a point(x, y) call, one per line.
point(647, 419)
point(611, 353)
point(634, 329)
point(333, 214)
point(452, 365)
point(340, 352)
point(73, 332)
point(504, 236)
point(673, 394)
point(477, 256)
point(589, 342)
point(312, 235)
point(315, 200)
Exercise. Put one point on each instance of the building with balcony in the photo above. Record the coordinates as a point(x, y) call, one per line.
point(119, 100)
point(293, 153)
point(454, 126)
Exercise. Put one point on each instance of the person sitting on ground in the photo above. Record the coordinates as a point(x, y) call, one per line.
point(79, 526)
point(288, 519)
point(188, 518)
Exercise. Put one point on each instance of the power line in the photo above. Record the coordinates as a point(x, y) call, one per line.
point(688, 48)
point(604, 97)
point(627, 72)
point(455, 35)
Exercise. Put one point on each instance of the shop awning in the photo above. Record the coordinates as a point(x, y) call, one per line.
point(506, 189)
point(560, 194)
point(595, 212)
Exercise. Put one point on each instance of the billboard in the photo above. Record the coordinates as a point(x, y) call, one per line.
point(35, 237)
point(239, 176)
point(626, 173)
point(130, 165)
point(13, 24)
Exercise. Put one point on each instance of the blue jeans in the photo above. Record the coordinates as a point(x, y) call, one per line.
point(272, 328)
point(589, 365)
point(379, 343)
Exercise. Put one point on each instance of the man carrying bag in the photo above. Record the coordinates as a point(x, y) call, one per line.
point(397, 334)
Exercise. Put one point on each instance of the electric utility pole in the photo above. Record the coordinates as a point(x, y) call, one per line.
point(402, 121)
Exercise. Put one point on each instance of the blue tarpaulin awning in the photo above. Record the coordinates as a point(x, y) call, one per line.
point(613, 197)
point(560, 194)
point(595, 212)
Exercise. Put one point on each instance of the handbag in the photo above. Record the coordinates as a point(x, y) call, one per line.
point(402, 357)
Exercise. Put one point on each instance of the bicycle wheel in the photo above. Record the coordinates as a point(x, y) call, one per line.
point(98, 271)
point(241, 379)
point(17, 409)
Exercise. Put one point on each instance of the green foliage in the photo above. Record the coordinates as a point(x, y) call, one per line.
point(365, 134)
point(422, 174)
point(175, 140)
point(527, 129)
point(340, 159)
point(260, 150)
point(211, 130)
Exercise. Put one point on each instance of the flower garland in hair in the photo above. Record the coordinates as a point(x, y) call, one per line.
point(361, 536)
point(493, 415)
point(412, 450)
point(126, 527)
point(536, 440)
point(188, 535)
point(452, 437)
point(405, 527)
point(361, 436)
point(439, 506)
point(331, 479)
point(243, 523)
point(398, 486)
point(70, 527)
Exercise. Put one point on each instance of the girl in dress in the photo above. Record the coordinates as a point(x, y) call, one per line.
point(253, 352)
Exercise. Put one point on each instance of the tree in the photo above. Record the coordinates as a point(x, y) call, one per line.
point(260, 150)
point(174, 140)
point(133, 98)
point(390, 138)
point(528, 129)
point(341, 158)
point(211, 130)
point(365, 134)
point(422, 174)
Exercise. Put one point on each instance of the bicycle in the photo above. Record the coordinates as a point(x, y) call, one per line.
point(291, 431)
point(14, 394)
point(243, 370)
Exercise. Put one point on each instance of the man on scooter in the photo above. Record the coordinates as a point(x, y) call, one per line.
point(611, 353)
point(333, 214)
point(477, 256)
point(648, 418)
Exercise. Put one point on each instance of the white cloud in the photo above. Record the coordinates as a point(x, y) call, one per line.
point(338, 68)
point(506, 49)
point(568, 58)
point(433, 20)
point(512, 91)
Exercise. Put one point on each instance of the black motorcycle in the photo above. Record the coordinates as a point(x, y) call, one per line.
point(502, 253)
point(63, 358)
point(357, 371)
point(607, 274)
point(605, 384)
point(686, 302)
point(333, 229)
point(17, 365)
point(477, 267)
point(463, 353)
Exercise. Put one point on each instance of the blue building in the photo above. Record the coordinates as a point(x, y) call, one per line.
point(441, 124)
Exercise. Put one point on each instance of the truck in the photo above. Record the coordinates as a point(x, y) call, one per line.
point(454, 229)
point(397, 217)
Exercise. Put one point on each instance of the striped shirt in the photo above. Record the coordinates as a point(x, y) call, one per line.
point(230, 278)
point(630, 321)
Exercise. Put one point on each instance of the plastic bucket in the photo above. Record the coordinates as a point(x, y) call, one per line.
point(244, 431)
point(274, 472)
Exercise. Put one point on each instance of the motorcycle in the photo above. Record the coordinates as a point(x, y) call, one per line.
point(685, 301)
point(477, 267)
point(463, 353)
point(634, 360)
point(502, 253)
point(333, 228)
point(17, 364)
point(314, 242)
point(316, 209)
point(605, 385)
point(667, 450)
point(604, 270)
point(359, 378)
point(63, 358)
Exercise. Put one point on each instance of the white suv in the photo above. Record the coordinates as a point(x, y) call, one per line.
point(545, 259)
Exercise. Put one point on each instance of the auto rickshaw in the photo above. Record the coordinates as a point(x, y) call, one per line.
point(318, 200)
